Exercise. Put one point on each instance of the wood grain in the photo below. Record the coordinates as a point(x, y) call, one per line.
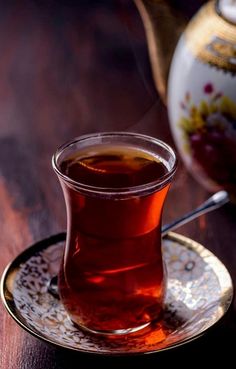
point(69, 68)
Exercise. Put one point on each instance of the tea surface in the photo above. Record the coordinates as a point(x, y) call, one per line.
point(114, 167)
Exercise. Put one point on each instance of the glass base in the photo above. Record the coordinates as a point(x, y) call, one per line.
point(115, 332)
point(53, 290)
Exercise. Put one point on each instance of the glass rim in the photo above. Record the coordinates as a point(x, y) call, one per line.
point(143, 189)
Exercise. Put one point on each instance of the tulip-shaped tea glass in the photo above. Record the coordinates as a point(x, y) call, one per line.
point(112, 278)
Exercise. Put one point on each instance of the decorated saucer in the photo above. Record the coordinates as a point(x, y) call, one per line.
point(199, 293)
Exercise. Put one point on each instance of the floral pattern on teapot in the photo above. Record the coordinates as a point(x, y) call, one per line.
point(209, 134)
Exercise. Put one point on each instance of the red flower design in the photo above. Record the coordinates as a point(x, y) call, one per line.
point(208, 88)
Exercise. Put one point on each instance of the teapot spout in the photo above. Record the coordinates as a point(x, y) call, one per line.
point(163, 26)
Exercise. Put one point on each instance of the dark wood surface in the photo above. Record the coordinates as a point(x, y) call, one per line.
point(69, 68)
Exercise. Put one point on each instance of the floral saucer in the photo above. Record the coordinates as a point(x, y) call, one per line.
point(199, 293)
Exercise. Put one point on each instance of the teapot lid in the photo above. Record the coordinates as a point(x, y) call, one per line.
point(227, 9)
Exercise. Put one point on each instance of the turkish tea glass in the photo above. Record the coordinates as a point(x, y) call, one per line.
point(112, 277)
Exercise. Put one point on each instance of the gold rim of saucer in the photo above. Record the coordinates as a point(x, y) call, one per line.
point(12, 296)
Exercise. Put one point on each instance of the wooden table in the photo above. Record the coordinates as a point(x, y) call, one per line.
point(68, 69)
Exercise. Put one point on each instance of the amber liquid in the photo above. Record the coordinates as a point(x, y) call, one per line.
point(112, 275)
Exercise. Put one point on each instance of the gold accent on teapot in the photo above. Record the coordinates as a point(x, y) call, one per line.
point(212, 39)
point(163, 26)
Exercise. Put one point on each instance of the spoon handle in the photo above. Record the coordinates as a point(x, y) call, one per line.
point(214, 202)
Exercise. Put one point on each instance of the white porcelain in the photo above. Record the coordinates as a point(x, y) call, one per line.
point(202, 96)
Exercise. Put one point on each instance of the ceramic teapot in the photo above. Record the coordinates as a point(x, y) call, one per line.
point(201, 89)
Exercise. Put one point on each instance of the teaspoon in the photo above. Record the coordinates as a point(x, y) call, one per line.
point(214, 202)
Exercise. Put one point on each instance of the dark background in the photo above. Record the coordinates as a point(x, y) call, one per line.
point(69, 68)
